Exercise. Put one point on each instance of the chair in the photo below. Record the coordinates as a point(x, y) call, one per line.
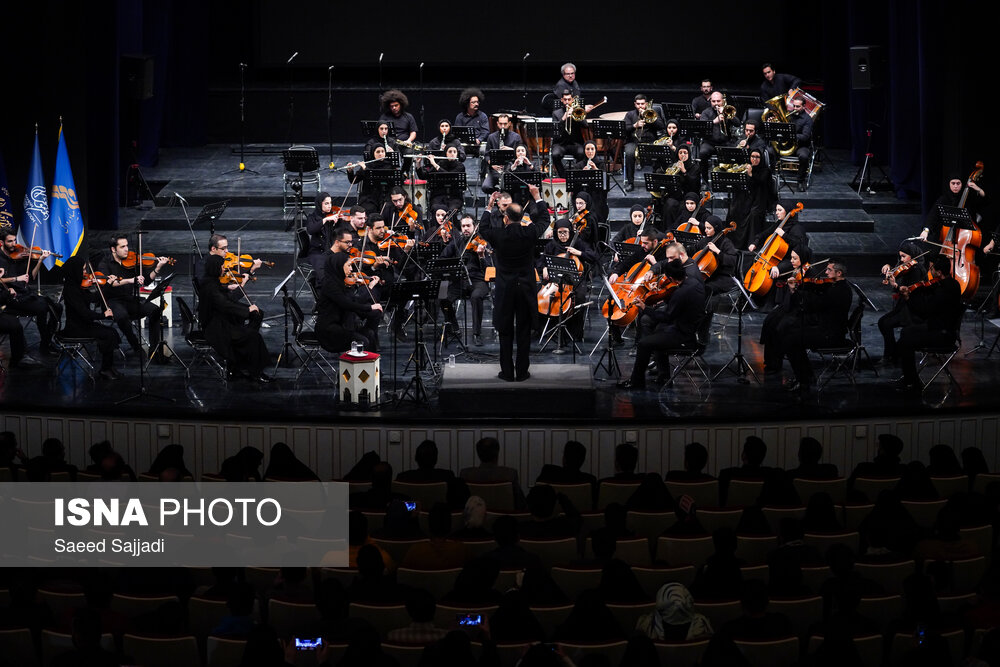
point(491, 517)
point(681, 654)
point(823, 541)
point(844, 356)
point(774, 653)
point(633, 551)
point(396, 548)
point(713, 519)
point(872, 486)
point(949, 486)
point(615, 492)
point(195, 338)
point(292, 184)
point(982, 536)
point(74, 349)
point(854, 514)
point(136, 605)
point(943, 354)
point(161, 651)
point(438, 582)
point(574, 581)
point(506, 580)
point(288, 617)
point(889, 575)
point(302, 264)
point(224, 652)
point(57, 643)
point(684, 550)
point(685, 355)
point(577, 652)
point(774, 515)
point(477, 548)
point(869, 648)
point(814, 576)
point(308, 342)
point(719, 613)
point(967, 573)
point(204, 614)
point(628, 615)
point(882, 608)
point(705, 494)
point(60, 601)
point(509, 654)
point(755, 573)
point(383, 617)
point(427, 494)
point(807, 488)
point(498, 495)
point(743, 492)
point(924, 512)
point(652, 579)
point(457, 521)
point(902, 642)
point(18, 647)
point(581, 495)
point(649, 524)
point(754, 548)
point(261, 578)
point(983, 480)
point(801, 612)
point(552, 552)
point(551, 618)
point(342, 574)
point(956, 604)
point(406, 655)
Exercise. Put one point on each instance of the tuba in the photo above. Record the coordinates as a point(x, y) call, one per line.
point(775, 112)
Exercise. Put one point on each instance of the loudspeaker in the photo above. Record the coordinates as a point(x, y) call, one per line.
point(136, 77)
point(866, 67)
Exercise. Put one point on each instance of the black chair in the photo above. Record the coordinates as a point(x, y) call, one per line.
point(308, 342)
point(203, 350)
point(942, 355)
point(548, 104)
point(302, 264)
point(844, 357)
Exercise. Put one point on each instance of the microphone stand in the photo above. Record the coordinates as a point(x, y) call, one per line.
point(524, 82)
point(329, 112)
point(243, 124)
point(423, 123)
point(291, 100)
point(380, 87)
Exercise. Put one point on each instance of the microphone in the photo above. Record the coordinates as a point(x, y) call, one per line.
point(243, 65)
point(526, 56)
point(289, 61)
point(380, 58)
point(177, 194)
point(330, 68)
point(421, 65)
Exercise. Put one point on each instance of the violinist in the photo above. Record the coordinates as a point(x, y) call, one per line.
point(749, 208)
point(936, 306)
point(792, 232)
point(568, 243)
point(82, 321)
point(475, 258)
point(583, 218)
point(447, 197)
point(446, 139)
point(404, 125)
point(356, 224)
point(16, 276)
point(233, 329)
point(122, 294)
point(440, 229)
point(567, 137)
point(793, 269)
point(11, 327)
point(384, 139)
point(386, 261)
point(910, 270)
point(670, 325)
point(346, 313)
point(951, 197)
point(690, 212)
point(725, 252)
point(219, 245)
point(817, 317)
point(319, 225)
point(405, 212)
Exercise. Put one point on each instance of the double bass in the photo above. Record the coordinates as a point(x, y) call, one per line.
point(758, 279)
point(705, 259)
point(960, 245)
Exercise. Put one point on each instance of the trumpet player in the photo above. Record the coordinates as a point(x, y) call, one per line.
point(644, 126)
point(721, 126)
point(567, 135)
point(751, 140)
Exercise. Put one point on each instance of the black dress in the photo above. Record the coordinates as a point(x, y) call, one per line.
point(231, 328)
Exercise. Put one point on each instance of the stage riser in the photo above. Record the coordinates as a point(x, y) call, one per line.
point(552, 390)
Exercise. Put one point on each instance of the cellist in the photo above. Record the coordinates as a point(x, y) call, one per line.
point(725, 253)
point(568, 244)
point(637, 216)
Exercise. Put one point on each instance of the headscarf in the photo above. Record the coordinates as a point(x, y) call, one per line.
point(910, 248)
point(675, 606)
point(474, 513)
point(563, 223)
point(319, 202)
point(692, 196)
point(587, 199)
point(213, 268)
point(636, 207)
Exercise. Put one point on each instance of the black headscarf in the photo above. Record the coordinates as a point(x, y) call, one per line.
point(213, 267)
point(587, 199)
point(319, 202)
point(636, 207)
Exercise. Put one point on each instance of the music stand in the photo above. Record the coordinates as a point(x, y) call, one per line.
point(516, 184)
point(687, 239)
point(500, 157)
point(668, 185)
point(774, 132)
point(730, 181)
point(678, 111)
point(380, 181)
point(300, 159)
point(650, 154)
point(689, 127)
point(283, 288)
point(563, 272)
point(589, 180)
point(210, 213)
point(742, 365)
point(157, 294)
point(446, 270)
point(369, 128)
point(465, 134)
point(732, 155)
point(419, 291)
point(628, 251)
point(452, 181)
point(609, 130)
point(612, 369)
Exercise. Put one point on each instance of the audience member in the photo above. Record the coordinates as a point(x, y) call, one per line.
point(974, 463)
point(243, 466)
point(916, 484)
point(489, 470)
point(687, 523)
point(590, 621)
point(420, 606)
point(169, 466)
point(651, 496)
point(619, 584)
point(427, 471)
point(695, 460)
point(943, 462)
point(87, 650)
point(357, 537)
point(508, 554)
point(574, 454)
point(885, 464)
point(238, 622)
point(810, 452)
point(108, 463)
point(752, 468)
point(544, 523)
point(372, 584)
point(719, 576)
point(400, 523)
point(784, 564)
point(946, 542)
point(284, 466)
point(840, 558)
point(626, 460)
point(474, 584)
point(757, 623)
point(53, 459)
point(473, 521)
point(889, 530)
point(674, 619)
point(821, 515)
point(378, 497)
point(513, 620)
point(438, 552)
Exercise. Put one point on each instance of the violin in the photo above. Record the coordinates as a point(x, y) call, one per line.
point(960, 245)
point(148, 259)
point(20, 252)
point(368, 257)
point(898, 270)
point(705, 259)
point(906, 290)
point(229, 277)
point(397, 240)
point(358, 278)
point(232, 261)
point(691, 227)
point(758, 278)
point(476, 244)
point(409, 215)
point(581, 220)
point(91, 279)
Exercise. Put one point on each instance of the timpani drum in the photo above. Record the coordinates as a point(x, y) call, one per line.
point(536, 134)
point(809, 103)
point(555, 194)
point(417, 190)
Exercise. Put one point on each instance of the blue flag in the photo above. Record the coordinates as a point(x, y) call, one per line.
point(6, 212)
point(65, 222)
point(34, 229)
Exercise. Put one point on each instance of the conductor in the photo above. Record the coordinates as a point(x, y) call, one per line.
point(514, 299)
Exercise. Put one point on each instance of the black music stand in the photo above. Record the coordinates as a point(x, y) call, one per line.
point(651, 154)
point(609, 130)
point(451, 183)
point(612, 369)
point(466, 135)
point(287, 346)
point(678, 111)
point(542, 132)
point(563, 272)
point(300, 159)
point(157, 293)
point(742, 365)
point(380, 181)
point(369, 128)
point(629, 252)
point(446, 270)
point(589, 180)
point(730, 181)
point(774, 133)
point(516, 184)
point(500, 157)
point(668, 185)
point(688, 239)
point(420, 292)
point(732, 155)
point(210, 213)
point(689, 127)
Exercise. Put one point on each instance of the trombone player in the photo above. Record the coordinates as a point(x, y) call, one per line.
point(644, 126)
point(567, 133)
point(723, 117)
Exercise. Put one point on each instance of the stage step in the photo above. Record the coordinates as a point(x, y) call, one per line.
point(552, 389)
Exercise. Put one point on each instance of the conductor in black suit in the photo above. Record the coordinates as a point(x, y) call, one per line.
point(514, 299)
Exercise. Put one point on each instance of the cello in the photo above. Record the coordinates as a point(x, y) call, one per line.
point(758, 279)
point(692, 227)
point(630, 288)
point(960, 245)
point(705, 259)
point(554, 300)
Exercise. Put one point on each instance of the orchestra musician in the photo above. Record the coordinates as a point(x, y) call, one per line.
point(911, 270)
point(438, 231)
point(567, 82)
point(82, 321)
point(446, 139)
point(687, 212)
point(936, 308)
point(400, 200)
point(514, 304)
point(232, 328)
point(388, 261)
point(471, 116)
point(319, 225)
point(448, 197)
point(630, 230)
point(356, 223)
point(567, 134)
point(670, 325)
point(701, 101)
point(346, 313)
point(476, 289)
point(803, 136)
point(750, 208)
point(951, 197)
point(721, 126)
point(567, 242)
point(793, 268)
point(10, 326)
point(503, 139)
point(775, 84)
point(792, 232)
point(22, 301)
point(725, 253)
point(385, 139)
point(124, 299)
point(689, 175)
point(639, 132)
point(521, 164)
point(583, 216)
point(593, 162)
point(751, 140)
point(394, 105)
point(370, 195)
point(219, 245)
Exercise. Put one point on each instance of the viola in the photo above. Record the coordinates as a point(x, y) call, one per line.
point(898, 270)
point(581, 220)
point(960, 245)
point(758, 278)
point(705, 259)
point(909, 289)
point(354, 279)
point(229, 277)
point(368, 257)
point(148, 259)
point(690, 227)
point(20, 252)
